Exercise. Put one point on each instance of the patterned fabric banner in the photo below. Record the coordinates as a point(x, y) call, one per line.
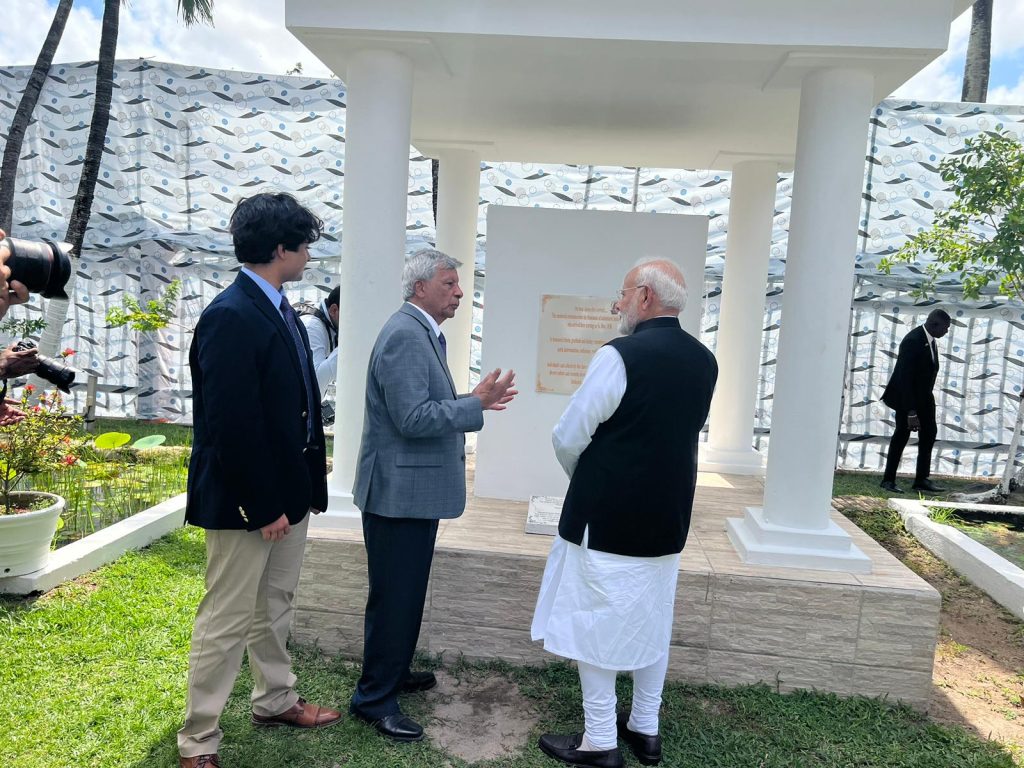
point(186, 143)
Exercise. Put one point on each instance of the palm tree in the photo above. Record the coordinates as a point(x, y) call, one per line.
point(23, 116)
point(97, 128)
point(979, 53)
point(191, 11)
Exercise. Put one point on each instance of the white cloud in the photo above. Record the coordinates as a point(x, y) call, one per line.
point(1008, 94)
point(249, 35)
point(942, 80)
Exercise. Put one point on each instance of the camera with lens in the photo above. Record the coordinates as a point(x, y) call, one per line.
point(55, 371)
point(43, 266)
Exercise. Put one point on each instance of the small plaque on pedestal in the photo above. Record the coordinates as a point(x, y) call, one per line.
point(543, 513)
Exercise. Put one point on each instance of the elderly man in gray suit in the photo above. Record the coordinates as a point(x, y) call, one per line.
point(411, 473)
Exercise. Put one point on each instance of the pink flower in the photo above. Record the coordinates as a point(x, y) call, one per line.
point(67, 352)
point(30, 388)
point(69, 459)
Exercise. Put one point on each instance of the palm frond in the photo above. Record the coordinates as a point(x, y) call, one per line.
point(196, 12)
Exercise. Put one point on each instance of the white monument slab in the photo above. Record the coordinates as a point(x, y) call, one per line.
point(538, 252)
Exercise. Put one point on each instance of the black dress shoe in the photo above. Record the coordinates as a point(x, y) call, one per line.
point(890, 486)
point(396, 727)
point(419, 681)
point(927, 486)
point(646, 748)
point(566, 749)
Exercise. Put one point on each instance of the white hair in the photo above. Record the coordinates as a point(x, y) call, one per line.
point(671, 292)
point(423, 265)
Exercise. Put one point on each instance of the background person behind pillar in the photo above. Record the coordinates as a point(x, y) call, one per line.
point(258, 468)
point(909, 393)
point(628, 441)
point(411, 473)
point(321, 323)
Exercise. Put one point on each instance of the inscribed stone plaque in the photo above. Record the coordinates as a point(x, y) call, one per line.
point(543, 513)
point(572, 328)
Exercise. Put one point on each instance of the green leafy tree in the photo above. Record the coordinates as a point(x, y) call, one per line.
point(980, 236)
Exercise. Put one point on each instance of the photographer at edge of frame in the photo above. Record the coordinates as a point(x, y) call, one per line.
point(12, 363)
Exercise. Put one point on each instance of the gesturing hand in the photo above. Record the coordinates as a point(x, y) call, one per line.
point(495, 392)
point(277, 530)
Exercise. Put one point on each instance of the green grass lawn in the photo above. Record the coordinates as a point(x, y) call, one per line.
point(93, 675)
point(867, 484)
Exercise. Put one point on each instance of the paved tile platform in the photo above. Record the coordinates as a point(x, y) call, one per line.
point(869, 634)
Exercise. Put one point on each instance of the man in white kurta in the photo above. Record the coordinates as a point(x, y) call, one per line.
point(627, 441)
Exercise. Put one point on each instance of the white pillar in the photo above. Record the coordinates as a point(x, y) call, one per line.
point(794, 527)
point(378, 125)
point(458, 205)
point(741, 320)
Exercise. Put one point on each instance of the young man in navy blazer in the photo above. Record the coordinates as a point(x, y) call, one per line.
point(258, 469)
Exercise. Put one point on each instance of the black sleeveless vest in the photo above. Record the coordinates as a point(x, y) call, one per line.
point(634, 484)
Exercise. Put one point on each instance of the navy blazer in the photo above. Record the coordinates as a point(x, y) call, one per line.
point(251, 461)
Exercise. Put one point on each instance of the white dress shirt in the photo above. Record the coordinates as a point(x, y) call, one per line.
point(612, 611)
point(325, 363)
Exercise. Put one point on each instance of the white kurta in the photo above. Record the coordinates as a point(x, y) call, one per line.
point(608, 610)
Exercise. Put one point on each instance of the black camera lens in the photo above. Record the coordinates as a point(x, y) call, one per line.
point(44, 266)
point(50, 369)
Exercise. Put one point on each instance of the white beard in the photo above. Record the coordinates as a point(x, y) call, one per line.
point(627, 322)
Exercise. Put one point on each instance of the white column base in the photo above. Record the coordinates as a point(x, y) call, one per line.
point(341, 514)
point(762, 543)
point(744, 462)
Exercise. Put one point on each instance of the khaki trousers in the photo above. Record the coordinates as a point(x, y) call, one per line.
point(248, 605)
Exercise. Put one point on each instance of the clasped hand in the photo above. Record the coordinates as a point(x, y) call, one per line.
point(495, 390)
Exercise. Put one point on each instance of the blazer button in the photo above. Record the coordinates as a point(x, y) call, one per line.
point(306, 449)
point(305, 414)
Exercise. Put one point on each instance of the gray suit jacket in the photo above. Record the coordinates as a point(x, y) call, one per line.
point(412, 458)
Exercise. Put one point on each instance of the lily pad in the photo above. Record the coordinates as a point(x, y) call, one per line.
point(150, 441)
point(111, 440)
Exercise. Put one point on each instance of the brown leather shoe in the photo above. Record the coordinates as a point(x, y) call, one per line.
point(301, 715)
point(200, 761)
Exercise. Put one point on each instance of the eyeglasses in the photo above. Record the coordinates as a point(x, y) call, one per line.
point(622, 291)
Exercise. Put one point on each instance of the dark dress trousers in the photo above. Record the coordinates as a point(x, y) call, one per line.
point(252, 457)
point(910, 389)
point(634, 484)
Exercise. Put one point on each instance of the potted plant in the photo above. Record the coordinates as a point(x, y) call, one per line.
point(35, 436)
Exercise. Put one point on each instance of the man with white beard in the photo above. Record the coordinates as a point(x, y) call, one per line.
point(628, 441)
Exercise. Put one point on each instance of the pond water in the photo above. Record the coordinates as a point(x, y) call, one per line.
point(102, 493)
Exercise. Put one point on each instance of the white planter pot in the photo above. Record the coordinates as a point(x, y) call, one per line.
point(25, 538)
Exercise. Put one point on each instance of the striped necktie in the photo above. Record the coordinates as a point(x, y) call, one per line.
point(291, 320)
